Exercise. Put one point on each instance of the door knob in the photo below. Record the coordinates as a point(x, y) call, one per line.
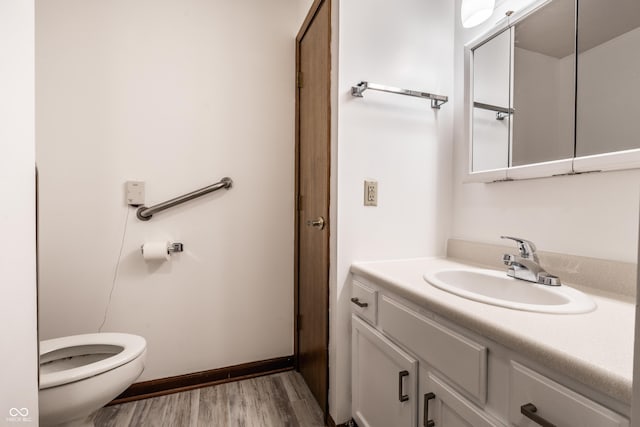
point(317, 223)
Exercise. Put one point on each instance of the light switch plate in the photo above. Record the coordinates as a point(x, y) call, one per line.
point(370, 193)
point(135, 193)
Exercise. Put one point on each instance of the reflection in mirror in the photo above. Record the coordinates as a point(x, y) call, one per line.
point(608, 76)
point(544, 85)
point(491, 89)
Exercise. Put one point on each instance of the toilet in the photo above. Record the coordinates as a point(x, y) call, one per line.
point(80, 374)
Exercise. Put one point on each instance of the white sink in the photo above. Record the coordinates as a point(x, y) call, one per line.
point(496, 288)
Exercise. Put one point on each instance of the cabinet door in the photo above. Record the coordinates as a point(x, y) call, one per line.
point(441, 406)
point(384, 380)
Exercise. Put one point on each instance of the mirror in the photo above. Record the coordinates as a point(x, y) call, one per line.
point(543, 85)
point(536, 110)
point(523, 91)
point(608, 76)
point(491, 93)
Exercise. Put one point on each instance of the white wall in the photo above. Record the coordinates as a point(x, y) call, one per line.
point(18, 321)
point(608, 107)
point(398, 141)
point(590, 215)
point(177, 94)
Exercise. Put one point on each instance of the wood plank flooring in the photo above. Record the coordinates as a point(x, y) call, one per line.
point(279, 400)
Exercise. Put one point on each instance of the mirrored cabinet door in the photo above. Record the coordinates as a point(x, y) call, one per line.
point(491, 100)
point(608, 76)
point(544, 85)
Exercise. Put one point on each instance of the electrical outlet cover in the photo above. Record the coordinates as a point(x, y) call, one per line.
point(370, 193)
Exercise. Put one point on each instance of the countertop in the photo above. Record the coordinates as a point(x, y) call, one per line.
point(593, 348)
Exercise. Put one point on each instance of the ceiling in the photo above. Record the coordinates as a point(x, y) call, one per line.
point(550, 30)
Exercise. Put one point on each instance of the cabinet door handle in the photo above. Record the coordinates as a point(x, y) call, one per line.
point(426, 422)
point(357, 302)
point(529, 410)
point(402, 397)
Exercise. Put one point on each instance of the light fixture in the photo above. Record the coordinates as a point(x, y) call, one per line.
point(475, 12)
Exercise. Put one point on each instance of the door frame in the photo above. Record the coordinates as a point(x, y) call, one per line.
point(313, 10)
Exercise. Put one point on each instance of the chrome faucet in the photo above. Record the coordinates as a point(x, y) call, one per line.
point(526, 266)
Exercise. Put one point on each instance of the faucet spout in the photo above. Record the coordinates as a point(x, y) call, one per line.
point(526, 247)
point(526, 266)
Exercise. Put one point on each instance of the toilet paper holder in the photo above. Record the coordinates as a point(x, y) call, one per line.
point(171, 248)
point(175, 247)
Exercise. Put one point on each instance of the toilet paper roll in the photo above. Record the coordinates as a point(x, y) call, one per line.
point(155, 251)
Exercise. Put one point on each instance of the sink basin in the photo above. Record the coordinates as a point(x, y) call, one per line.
point(496, 288)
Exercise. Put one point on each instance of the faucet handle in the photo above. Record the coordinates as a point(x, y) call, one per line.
point(545, 278)
point(508, 259)
point(527, 248)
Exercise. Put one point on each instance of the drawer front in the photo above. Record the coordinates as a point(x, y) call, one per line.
point(554, 403)
point(463, 361)
point(364, 301)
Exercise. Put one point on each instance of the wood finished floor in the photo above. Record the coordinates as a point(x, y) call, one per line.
point(279, 400)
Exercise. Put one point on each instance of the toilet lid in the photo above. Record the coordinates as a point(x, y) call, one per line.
point(132, 347)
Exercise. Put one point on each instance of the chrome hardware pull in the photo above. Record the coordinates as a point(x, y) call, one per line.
point(426, 422)
point(357, 302)
point(402, 397)
point(318, 223)
point(529, 410)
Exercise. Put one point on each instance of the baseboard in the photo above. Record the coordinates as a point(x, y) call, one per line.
point(163, 386)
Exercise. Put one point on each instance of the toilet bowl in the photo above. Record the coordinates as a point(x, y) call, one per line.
point(80, 374)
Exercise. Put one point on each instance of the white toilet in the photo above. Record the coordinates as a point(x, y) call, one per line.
point(80, 374)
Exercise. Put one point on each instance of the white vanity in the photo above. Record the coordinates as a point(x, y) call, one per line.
point(422, 356)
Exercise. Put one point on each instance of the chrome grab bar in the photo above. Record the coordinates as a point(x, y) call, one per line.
point(436, 100)
point(144, 213)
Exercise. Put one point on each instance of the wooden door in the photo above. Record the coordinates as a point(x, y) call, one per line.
point(312, 188)
point(383, 380)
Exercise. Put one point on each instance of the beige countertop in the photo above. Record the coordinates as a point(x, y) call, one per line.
point(593, 348)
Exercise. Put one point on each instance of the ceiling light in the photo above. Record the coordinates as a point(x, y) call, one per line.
point(475, 12)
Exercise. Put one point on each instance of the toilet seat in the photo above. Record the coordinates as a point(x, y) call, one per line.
point(125, 348)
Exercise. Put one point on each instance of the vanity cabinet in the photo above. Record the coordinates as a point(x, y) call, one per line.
point(413, 368)
point(388, 389)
